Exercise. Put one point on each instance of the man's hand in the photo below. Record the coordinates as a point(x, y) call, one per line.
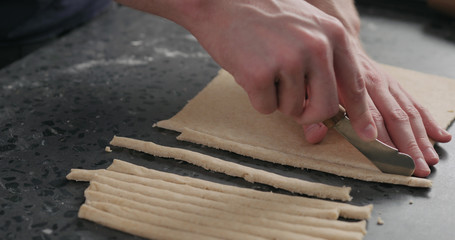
point(304, 60)
point(400, 120)
point(287, 55)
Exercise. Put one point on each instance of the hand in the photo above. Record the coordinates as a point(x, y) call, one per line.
point(287, 55)
point(400, 120)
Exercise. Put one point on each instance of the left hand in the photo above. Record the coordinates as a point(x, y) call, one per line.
point(401, 121)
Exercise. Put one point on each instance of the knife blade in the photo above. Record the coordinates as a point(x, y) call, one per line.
point(386, 158)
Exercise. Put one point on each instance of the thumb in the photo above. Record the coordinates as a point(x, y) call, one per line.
point(314, 133)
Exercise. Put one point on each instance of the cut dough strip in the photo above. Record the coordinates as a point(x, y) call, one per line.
point(233, 169)
point(152, 206)
point(296, 161)
point(212, 226)
point(166, 218)
point(223, 197)
point(346, 210)
point(135, 227)
point(220, 209)
point(215, 213)
point(214, 198)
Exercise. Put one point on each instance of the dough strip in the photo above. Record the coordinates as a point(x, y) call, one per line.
point(300, 162)
point(237, 170)
point(136, 228)
point(164, 218)
point(215, 213)
point(229, 229)
point(346, 210)
point(215, 197)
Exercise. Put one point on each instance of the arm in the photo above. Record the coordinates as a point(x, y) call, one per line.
point(295, 57)
point(287, 55)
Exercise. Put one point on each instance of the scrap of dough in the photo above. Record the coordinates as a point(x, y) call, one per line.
point(222, 110)
point(346, 210)
point(233, 169)
point(135, 227)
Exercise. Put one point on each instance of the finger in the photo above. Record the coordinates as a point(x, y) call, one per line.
point(418, 128)
point(353, 92)
point(434, 131)
point(399, 127)
point(322, 97)
point(261, 91)
point(383, 135)
point(315, 133)
point(291, 93)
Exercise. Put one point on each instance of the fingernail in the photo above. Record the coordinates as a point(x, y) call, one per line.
point(430, 152)
point(312, 127)
point(423, 165)
point(443, 132)
point(369, 133)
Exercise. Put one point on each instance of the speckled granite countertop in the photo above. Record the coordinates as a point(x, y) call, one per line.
point(60, 106)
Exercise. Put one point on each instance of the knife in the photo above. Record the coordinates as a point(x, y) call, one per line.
point(386, 158)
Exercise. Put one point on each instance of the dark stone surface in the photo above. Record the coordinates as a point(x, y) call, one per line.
point(60, 106)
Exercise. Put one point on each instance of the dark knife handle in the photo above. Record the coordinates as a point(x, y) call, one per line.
point(333, 120)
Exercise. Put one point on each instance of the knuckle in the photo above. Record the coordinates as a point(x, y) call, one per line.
point(398, 115)
point(412, 112)
point(356, 92)
point(423, 141)
point(318, 44)
point(373, 78)
point(257, 80)
point(336, 27)
point(377, 117)
point(420, 108)
point(412, 147)
point(292, 62)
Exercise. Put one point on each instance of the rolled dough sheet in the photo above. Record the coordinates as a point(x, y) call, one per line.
point(222, 110)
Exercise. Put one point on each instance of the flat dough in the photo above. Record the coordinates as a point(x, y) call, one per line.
point(233, 169)
point(222, 111)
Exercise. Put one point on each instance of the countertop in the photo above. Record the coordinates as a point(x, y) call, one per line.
point(124, 71)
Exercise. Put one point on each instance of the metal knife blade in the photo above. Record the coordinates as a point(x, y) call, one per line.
point(386, 158)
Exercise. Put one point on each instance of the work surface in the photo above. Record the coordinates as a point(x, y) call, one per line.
point(60, 106)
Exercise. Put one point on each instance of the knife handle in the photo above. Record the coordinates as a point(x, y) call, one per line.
point(333, 120)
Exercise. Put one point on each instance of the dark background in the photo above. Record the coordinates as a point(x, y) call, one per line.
point(124, 71)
